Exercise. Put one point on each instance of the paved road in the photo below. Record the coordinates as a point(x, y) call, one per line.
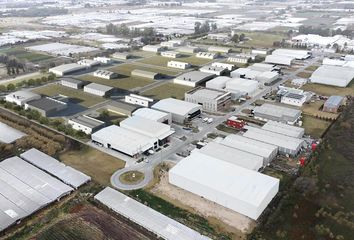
point(165, 154)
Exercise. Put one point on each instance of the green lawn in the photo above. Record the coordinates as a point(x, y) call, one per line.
point(127, 68)
point(84, 99)
point(167, 90)
point(314, 127)
point(123, 82)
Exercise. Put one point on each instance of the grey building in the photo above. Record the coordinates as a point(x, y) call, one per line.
point(121, 108)
point(276, 113)
point(71, 83)
point(86, 124)
point(98, 89)
point(333, 103)
point(193, 78)
point(46, 106)
point(144, 74)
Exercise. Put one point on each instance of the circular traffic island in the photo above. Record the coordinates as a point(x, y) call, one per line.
point(131, 177)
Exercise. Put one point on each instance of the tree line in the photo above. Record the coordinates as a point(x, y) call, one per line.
point(27, 83)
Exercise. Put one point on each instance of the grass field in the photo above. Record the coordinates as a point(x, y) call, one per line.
point(123, 82)
point(127, 68)
point(162, 61)
point(314, 127)
point(131, 177)
point(167, 90)
point(327, 90)
point(304, 74)
point(99, 165)
point(84, 99)
point(24, 78)
point(261, 39)
point(312, 68)
point(21, 54)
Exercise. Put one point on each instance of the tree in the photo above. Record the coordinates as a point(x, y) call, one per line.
point(2, 88)
point(214, 26)
point(242, 37)
point(197, 26)
point(205, 27)
point(11, 87)
point(235, 38)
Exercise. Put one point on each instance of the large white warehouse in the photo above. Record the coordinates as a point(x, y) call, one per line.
point(245, 191)
point(333, 75)
point(284, 129)
point(153, 115)
point(218, 82)
point(247, 87)
point(267, 151)
point(286, 144)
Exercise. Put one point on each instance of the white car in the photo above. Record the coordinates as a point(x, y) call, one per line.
point(210, 120)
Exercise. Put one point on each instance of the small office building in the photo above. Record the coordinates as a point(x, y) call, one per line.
point(170, 54)
point(138, 100)
point(178, 64)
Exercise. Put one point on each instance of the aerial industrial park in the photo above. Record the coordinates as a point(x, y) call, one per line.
point(176, 120)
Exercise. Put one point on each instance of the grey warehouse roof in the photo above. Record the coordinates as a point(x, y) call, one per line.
point(71, 80)
point(150, 219)
point(46, 103)
point(334, 101)
point(65, 173)
point(9, 134)
point(276, 110)
point(99, 87)
point(195, 76)
point(87, 121)
point(176, 106)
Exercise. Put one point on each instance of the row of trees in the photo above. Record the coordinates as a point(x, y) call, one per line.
point(238, 38)
point(325, 32)
point(148, 34)
point(200, 28)
point(27, 83)
point(13, 65)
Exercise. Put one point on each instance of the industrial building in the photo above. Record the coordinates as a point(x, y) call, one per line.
point(219, 36)
point(218, 71)
point(121, 108)
point(211, 100)
point(103, 60)
point(264, 67)
point(105, 74)
point(244, 191)
point(178, 64)
point(144, 74)
point(234, 122)
point(219, 49)
point(267, 151)
point(46, 106)
point(180, 110)
point(89, 63)
point(98, 89)
point(172, 43)
point(66, 174)
point(67, 69)
point(123, 140)
point(227, 66)
point(170, 54)
point(295, 54)
point(121, 55)
point(260, 51)
point(293, 99)
point(243, 86)
point(9, 134)
point(241, 58)
point(138, 100)
point(157, 223)
point(20, 98)
point(333, 103)
point(149, 128)
point(218, 82)
point(154, 115)
point(153, 48)
point(193, 78)
point(85, 124)
point(188, 49)
point(277, 113)
point(71, 83)
point(279, 60)
point(287, 145)
point(232, 155)
point(333, 75)
point(264, 77)
point(207, 55)
point(285, 129)
point(267, 77)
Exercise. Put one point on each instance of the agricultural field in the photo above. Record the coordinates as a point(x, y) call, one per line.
point(167, 90)
point(304, 74)
point(82, 98)
point(261, 39)
point(99, 165)
point(21, 54)
point(314, 127)
point(314, 109)
point(122, 82)
point(162, 61)
point(327, 90)
point(127, 68)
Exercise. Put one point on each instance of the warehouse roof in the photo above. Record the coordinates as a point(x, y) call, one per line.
point(232, 155)
point(71, 80)
point(284, 129)
point(218, 82)
point(46, 103)
point(276, 110)
point(207, 93)
point(99, 87)
point(277, 139)
point(49, 186)
point(279, 59)
point(125, 140)
point(9, 213)
point(147, 127)
point(143, 73)
point(334, 101)
point(9, 134)
point(297, 54)
point(65, 173)
point(71, 67)
point(195, 76)
point(229, 179)
point(263, 67)
point(333, 75)
point(249, 145)
point(149, 113)
point(118, 106)
point(22, 95)
point(176, 106)
point(148, 218)
point(87, 121)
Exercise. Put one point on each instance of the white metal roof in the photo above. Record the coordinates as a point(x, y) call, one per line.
point(243, 85)
point(229, 179)
point(232, 155)
point(9, 134)
point(149, 113)
point(277, 139)
point(279, 59)
point(22, 95)
point(9, 213)
point(70, 67)
point(150, 219)
point(176, 106)
point(276, 110)
point(250, 145)
point(297, 54)
point(65, 173)
point(49, 186)
point(147, 127)
point(98, 87)
point(218, 82)
point(284, 129)
point(124, 140)
point(333, 75)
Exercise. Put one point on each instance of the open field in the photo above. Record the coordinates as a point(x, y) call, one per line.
point(21, 54)
point(25, 77)
point(122, 82)
point(131, 177)
point(312, 68)
point(162, 61)
point(84, 99)
point(127, 68)
point(167, 90)
point(327, 90)
point(261, 39)
point(99, 165)
point(304, 74)
point(314, 127)
point(314, 109)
